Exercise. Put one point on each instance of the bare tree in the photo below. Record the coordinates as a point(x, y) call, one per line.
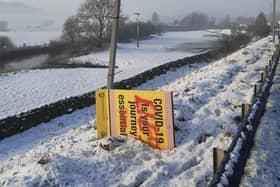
point(71, 30)
point(95, 19)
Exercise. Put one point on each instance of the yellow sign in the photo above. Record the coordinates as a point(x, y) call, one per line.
point(143, 115)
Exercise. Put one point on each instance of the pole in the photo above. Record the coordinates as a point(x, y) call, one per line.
point(271, 15)
point(113, 49)
point(138, 33)
point(274, 19)
point(138, 29)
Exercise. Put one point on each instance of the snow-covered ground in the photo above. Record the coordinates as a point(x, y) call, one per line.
point(207, 98)
point(31, 38)
point(220, 31)
point(27, 90)
point(166, 47)
point(263, 166)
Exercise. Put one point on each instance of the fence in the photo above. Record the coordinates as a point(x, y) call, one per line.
point(231, 168)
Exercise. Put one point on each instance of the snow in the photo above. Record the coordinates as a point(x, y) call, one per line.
point(221, 31)
point(161, 48)
point(263, 165)
point(207, 97)
point(26, 90)
point(31, 38)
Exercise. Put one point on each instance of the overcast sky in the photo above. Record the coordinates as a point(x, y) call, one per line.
point(168, 9)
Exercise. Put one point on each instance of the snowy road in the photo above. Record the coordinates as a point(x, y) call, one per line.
point(207, 100)
point(263, 166)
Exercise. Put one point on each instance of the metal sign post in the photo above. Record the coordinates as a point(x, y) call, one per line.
point(113, 49)
point(274, 19)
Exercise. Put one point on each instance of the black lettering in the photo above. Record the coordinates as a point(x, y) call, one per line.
point(123, 115)
point(160, 140)
point(145, 118)
point(133, 118)
point(158, 107)
point(159, 123)
point(134, 133)
point(158, 101)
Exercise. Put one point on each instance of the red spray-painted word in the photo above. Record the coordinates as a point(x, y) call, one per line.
point(147, 111)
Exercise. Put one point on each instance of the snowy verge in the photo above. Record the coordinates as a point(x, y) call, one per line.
point(263, 165)
point(231, 169)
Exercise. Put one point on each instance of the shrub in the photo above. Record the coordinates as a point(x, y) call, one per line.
point(5, 43)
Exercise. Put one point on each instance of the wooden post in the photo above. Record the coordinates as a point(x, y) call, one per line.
point(257, 89)
point(245, 111)
point(263, 76)
point(218, 156)
point(113, 48)
point(266, 69)
point(270, 63)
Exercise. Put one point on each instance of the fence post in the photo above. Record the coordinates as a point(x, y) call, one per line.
point(266, 69)
point(245, 111)
point(257, 89)
point(263, 76)
point(218, 156)
point(270, 63)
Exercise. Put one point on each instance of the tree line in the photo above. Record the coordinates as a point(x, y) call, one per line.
point(92, 25)
point(255, 27)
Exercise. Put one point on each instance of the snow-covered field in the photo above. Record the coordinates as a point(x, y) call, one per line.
point(207, 98)
point(263, 166)
point(166, 47)
point(27, 90)
point(31, 38)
